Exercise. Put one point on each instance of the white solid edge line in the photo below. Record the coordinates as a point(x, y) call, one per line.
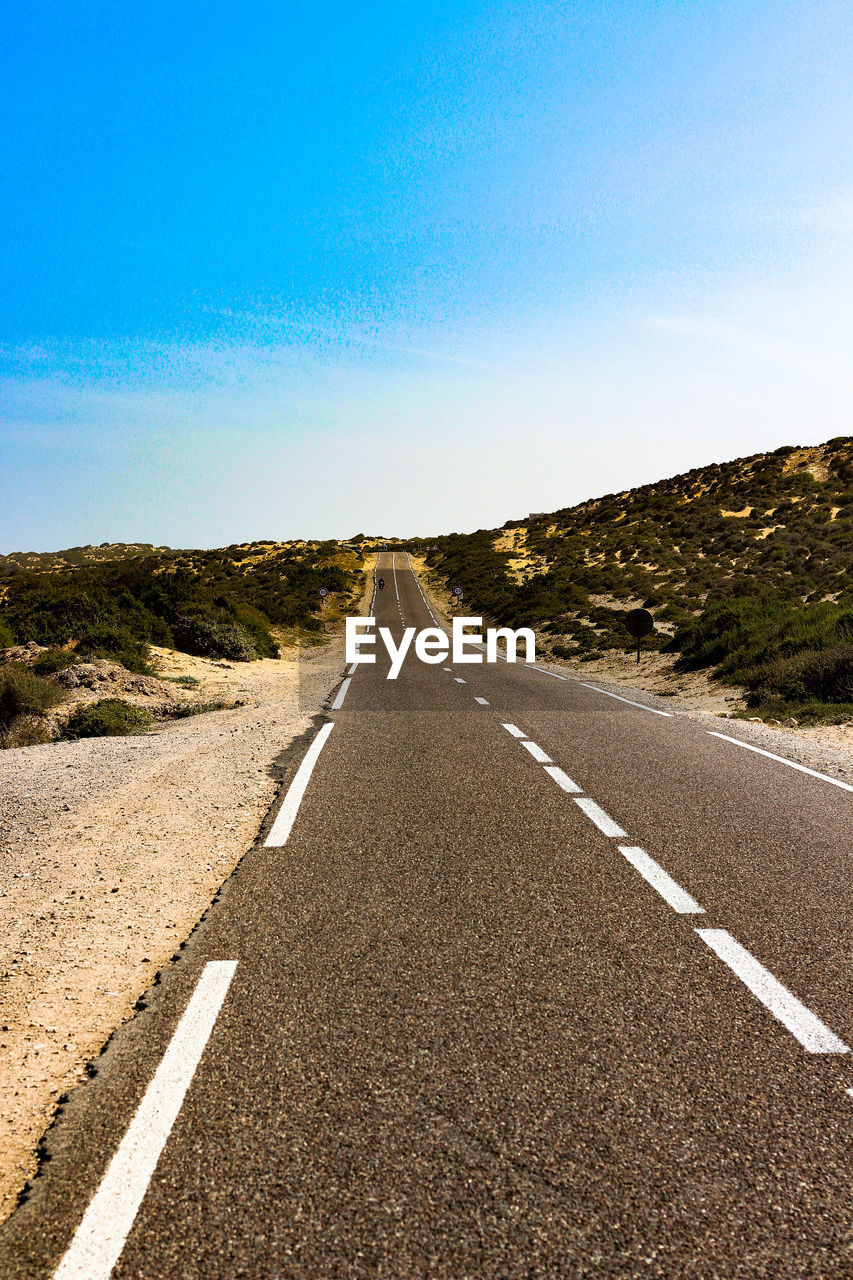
point(482, 702)
point(286, 815)
point(420, 588)
point(597, 815)
point(515, 731)
point(562, 779)
point(792, 764)
point(534, 666)
point(679, 899)
point(101, 1235)
point(353, 669)
point(629, 701)
point(342, 693)
point(537, 752)
point(812, 1034)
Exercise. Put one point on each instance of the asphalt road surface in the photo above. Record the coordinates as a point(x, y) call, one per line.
point(519, 980)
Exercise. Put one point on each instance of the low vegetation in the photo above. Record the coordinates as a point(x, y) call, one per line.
point(216, 604)
point(108, 718)
point(25, 699)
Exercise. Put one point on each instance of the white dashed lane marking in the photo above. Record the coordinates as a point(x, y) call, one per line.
point(679, 899)
point(812, 1034)
point(515, 731)
point(482, 702)
point(596, 814)
point(562, 779)
point(537, 752)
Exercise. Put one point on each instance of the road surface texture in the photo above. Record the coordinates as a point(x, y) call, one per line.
point(521, 980)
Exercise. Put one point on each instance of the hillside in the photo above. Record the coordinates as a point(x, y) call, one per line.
point(745, 566)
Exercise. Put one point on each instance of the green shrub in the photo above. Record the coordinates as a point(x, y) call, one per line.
point(24, 694)
point(209, 638)
point(7, 638)
point(261, 639)
point(116, 643)
point(186, 709)
point(54, 660)
point(109, 718)
point(742, 638)
point(823, 676)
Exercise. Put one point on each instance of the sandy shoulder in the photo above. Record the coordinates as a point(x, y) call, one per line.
point(111, 849)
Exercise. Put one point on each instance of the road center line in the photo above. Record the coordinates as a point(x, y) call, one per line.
point(812, 1034)
point(537, 752)
point(101, 1236)
point(286, 815)
point(482, 702)
point(597, 815)
point(792, 764)
point(619, 698)
point(342, 693)
point(394, 571)
point(679, 899)
point(562, 779)
point(515, 731)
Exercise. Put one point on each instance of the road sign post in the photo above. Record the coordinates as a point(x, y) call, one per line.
point(639, 623)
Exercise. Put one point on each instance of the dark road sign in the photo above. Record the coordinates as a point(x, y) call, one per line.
point(639, 623)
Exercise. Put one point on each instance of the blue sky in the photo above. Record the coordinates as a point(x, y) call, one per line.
point(280, 270)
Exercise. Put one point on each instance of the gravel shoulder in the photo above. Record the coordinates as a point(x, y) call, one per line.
point(111, 849)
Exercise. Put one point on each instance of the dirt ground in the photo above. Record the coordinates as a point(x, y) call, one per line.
point(111, 849)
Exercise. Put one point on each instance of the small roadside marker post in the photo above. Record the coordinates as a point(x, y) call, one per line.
point(322, 593)
point(639, 623)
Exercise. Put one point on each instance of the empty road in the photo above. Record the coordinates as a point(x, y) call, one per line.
point(520, 979)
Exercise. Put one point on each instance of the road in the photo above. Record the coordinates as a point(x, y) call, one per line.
point(519, 980)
